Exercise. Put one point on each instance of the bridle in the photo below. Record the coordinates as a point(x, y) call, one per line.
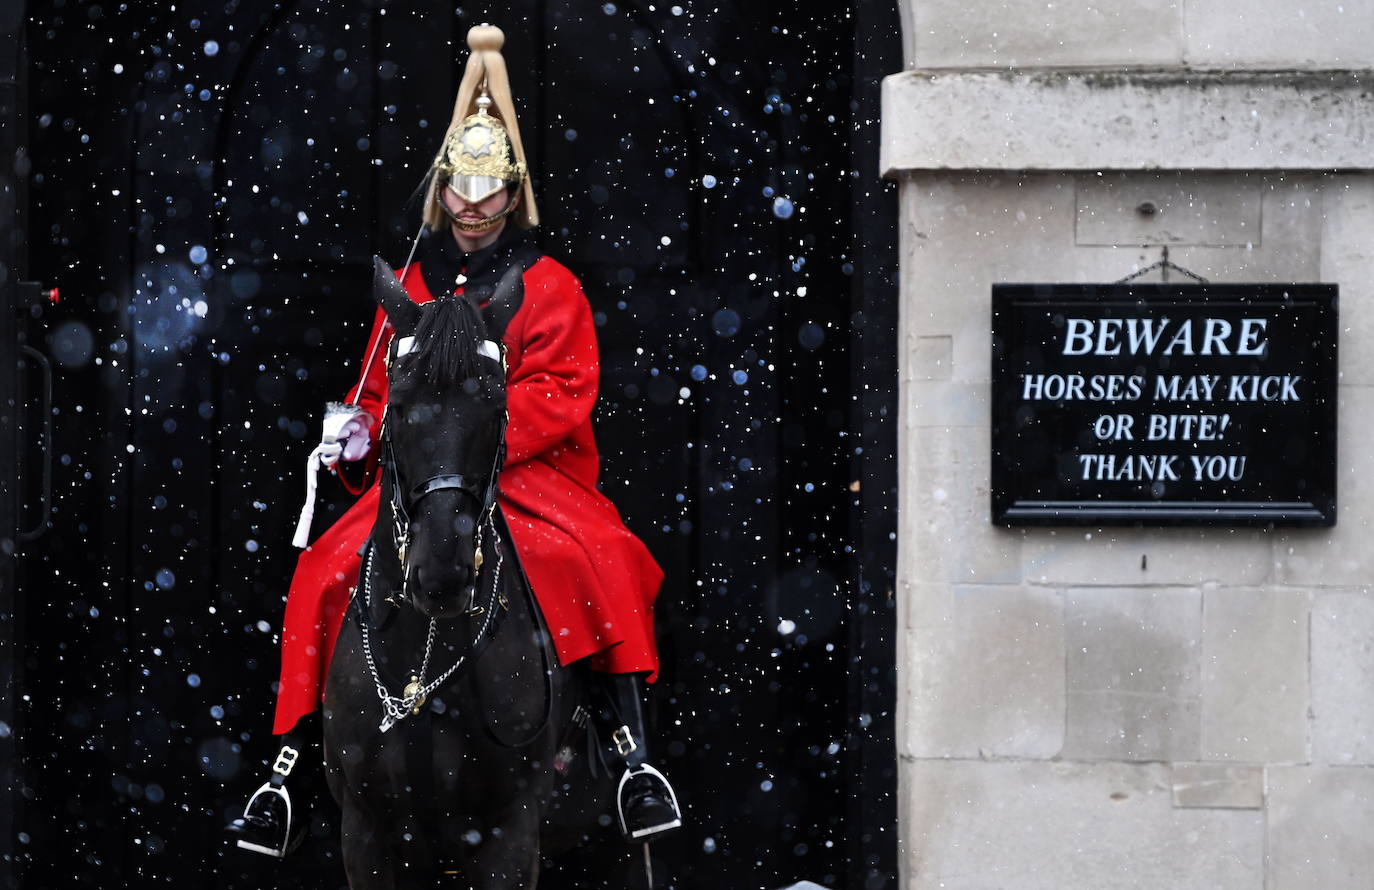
point(403, 503)
point(480, 490)
point(483, 491)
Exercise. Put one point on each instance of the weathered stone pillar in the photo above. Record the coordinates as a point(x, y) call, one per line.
point(1084, 709)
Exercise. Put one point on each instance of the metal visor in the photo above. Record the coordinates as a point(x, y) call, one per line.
point(472, 188)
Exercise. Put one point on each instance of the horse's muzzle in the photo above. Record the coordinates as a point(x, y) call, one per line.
point(441, 592)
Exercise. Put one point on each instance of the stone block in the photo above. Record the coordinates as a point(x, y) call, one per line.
point(1216, 786)
point(1254, 674)
point(945, 501)
point(1171, 556)
point(1340, 556)
point(925, 607)
point(985, 672)
point(961, 233)
point(1343, 678)
point(945, 404)
point(1320, 34)
point(1069, 826)
point(1133, 673)
point(1031, 33)
point(1127, 120)
point(930, 358)
point(1347, 256)
point(1185, 208)
point(1286, 246)
point(1320, 828)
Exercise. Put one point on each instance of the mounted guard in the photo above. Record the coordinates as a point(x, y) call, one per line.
point(594, 582)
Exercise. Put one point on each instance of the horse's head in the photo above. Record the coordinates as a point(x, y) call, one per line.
point(443, 433)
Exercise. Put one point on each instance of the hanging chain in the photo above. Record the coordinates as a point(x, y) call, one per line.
point(1164, 265)
point(396, 709)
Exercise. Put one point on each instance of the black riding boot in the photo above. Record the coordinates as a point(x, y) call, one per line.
point(646, 803)
point(271, 824)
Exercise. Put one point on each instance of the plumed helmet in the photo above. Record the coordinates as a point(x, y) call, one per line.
point(482, 153)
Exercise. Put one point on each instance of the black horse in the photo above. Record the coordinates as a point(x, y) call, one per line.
point(451, 736)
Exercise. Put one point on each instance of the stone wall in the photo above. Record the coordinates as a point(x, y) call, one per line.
point(1121, 707)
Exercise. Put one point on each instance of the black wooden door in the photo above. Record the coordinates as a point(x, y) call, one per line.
point(16, 522)
point(213, 181)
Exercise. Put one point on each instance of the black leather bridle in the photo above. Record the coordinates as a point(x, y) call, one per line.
point(481, 490)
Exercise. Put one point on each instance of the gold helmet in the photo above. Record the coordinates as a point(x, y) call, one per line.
point(482, 153)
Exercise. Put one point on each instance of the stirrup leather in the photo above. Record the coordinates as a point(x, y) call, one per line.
point(629, 774)
point(278, 852)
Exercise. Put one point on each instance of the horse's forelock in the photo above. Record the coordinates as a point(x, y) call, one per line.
point(446, 341)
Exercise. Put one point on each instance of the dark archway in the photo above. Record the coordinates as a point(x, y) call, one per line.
point(211, 185)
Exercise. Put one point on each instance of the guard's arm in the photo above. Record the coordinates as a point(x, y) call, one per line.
point(359, 461)
point(552, 389)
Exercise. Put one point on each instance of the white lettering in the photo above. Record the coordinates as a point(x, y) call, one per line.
point(1067, 387)
point(1257, 388)
point(1080, 330)
point(1114, 426)
point(1142, 332)
point(1178, 388)
point(1107, 331)
point(1216, 467)
point(1133, 336)
point(1186, 427)
point(1183, 337)
point(1250, 342)
point(1131, 468)
point(1214, 338)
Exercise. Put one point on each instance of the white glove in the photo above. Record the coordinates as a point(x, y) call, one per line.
point(347, 434)
point(355, 437)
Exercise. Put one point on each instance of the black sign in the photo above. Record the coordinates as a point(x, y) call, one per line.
point(1164, 404)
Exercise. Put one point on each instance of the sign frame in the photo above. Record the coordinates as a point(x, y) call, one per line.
point(1027, 317)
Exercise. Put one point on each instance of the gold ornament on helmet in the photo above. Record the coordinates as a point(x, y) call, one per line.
point(477, 159)
point(482, 153)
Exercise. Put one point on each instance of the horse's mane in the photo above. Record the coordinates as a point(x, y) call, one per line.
point(446, 340)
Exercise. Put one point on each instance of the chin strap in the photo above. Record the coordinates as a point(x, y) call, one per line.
point(481, 225)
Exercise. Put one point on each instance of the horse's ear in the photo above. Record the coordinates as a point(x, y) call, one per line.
point(389, 293)
point(505, 301)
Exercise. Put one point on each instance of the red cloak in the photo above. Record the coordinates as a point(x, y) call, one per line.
point(593, 579)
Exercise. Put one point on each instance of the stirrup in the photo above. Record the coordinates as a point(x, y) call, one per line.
point(286, 845)
point(646, 831)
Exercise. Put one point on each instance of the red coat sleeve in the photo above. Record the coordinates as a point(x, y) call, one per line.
point(370, 393)
point(551, 389)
